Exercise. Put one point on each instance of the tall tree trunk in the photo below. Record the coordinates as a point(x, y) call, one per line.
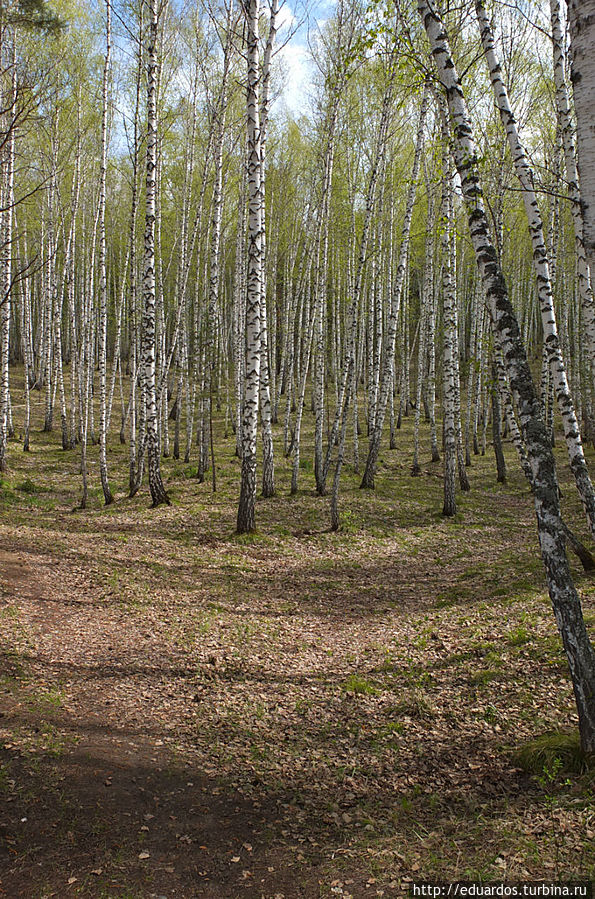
point(449, 317)
point(246, 515)
point(6, 256)
point(555, 362)
point(496, 428)
point(158, 492)
point(268, 463)
point(107, 494)
point(581, 19)
point(564, 597)
point(386, 379)
point(566, 129)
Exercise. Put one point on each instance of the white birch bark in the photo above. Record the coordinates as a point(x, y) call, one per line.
point(421, 357)
point(246, 514)
point(581, 19)
point(567, 133)
point(239, 316)
point(26, 301)
point(107, 494)
point(158, 492)
point(565, 600)
point(497, 427)
point(472, 371)
point(430, 298)
point(386, 379)
point(219, 115)
point(268, 463)
point(456, 342)
point(6, 264)
point(321, 256)
point(49, 302)
point(574, 445)
point(450, 346)
point(307, 329)
point(70, 275)
point(133, 301)
point(116, 361)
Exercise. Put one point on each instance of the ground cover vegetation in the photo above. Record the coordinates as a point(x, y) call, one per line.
point(296, 420)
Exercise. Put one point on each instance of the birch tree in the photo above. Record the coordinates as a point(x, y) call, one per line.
point(246, 513)
point(565, 599)
point(566, 128)
point(268, 462)
point(581, 19)
point(542, 270)
point(103, 415)
point(450, 338)
point(387, 374)
point(158, 492)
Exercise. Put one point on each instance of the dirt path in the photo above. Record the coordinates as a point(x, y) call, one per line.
point(300, 714)
point(98, 802)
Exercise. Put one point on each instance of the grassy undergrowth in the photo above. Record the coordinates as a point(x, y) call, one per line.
point(392, 698)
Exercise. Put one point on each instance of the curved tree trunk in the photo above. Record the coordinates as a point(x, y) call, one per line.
point(566, 128)
point(565, 599)
point(555, 362)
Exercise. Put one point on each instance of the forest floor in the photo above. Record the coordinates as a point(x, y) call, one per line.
point(297, 713)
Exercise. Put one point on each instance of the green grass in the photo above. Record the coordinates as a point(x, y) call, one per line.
point(415, 705)
point(30, 487)
point(558, 752)
point(359, 685)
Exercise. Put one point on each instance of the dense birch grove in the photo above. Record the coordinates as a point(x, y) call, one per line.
point(181, 251)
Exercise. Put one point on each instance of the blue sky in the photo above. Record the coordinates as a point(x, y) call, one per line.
point(301, 20)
